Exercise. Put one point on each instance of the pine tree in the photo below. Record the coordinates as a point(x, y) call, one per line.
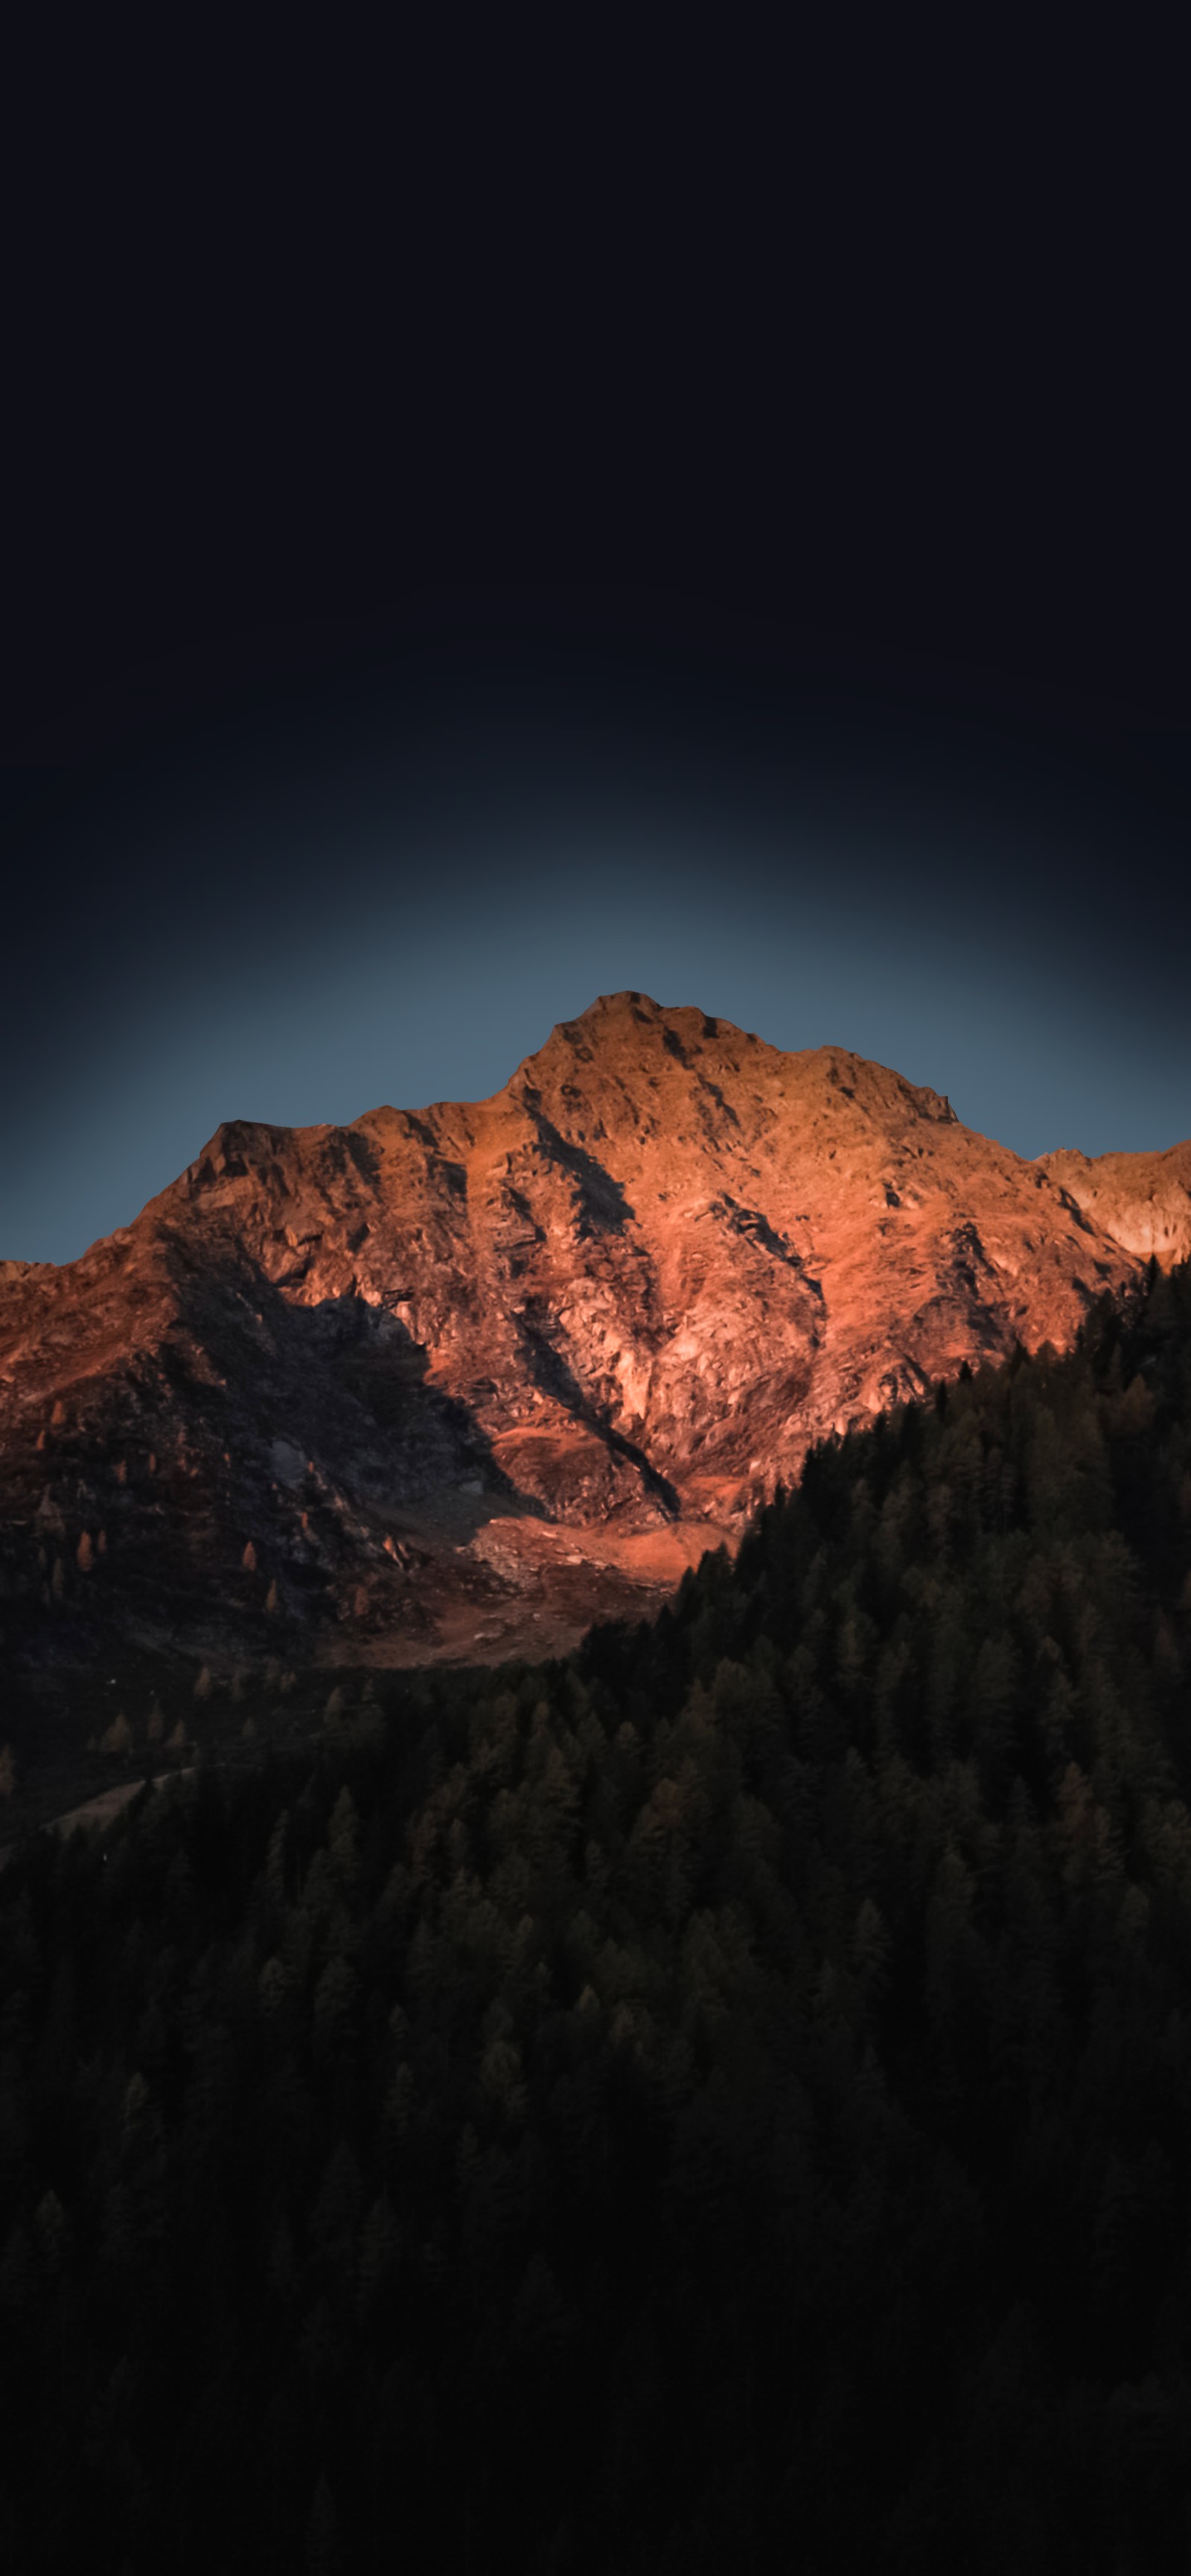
point(52, 2231)
point(322, 2546)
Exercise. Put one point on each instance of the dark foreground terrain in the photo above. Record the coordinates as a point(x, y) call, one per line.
point(720, 2101)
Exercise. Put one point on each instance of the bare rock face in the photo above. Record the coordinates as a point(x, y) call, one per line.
point(1142, 1200)
point(455, 1382)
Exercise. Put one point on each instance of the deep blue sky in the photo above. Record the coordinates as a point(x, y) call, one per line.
point(385, 877)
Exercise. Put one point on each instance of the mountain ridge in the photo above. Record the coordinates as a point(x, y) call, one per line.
point(456, 1380)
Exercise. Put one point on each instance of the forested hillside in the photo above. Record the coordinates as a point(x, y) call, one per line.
point(722, 2101)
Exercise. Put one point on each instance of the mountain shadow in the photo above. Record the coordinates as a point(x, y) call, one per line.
point(600, 1200)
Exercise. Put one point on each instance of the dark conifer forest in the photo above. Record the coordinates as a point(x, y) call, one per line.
point(720, 2102)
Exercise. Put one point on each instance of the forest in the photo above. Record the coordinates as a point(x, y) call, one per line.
point(722, 2100)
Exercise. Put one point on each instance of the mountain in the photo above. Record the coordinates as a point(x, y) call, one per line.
point(453, 1382)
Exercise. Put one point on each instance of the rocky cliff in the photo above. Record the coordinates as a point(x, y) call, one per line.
point(455, 1382)
point(1142, 1200)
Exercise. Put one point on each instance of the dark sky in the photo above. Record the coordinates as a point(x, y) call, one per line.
point(482, 533)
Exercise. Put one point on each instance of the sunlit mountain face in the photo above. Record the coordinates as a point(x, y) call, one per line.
point(447, 1384)
point(383, 878)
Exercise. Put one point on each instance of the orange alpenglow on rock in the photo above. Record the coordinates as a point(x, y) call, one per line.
point(545, 1348)
point(1142, 1200)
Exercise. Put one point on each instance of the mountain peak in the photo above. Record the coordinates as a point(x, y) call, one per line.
point(617, 1015)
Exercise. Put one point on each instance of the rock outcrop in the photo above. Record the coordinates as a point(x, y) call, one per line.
point(455, 1382)
point(1142, 1200)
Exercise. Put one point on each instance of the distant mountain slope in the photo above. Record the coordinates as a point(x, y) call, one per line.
point(439, 1382)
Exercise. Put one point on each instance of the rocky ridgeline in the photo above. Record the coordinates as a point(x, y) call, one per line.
point(456, 1382)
